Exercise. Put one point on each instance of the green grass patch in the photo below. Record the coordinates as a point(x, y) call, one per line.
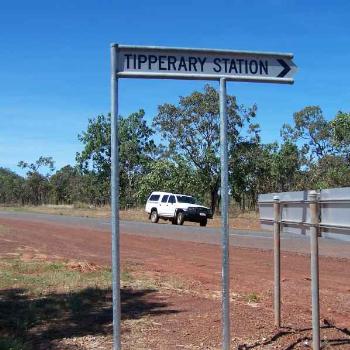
point(43, 277)
point(253, 297)
point(42, 302)
point(12, 344)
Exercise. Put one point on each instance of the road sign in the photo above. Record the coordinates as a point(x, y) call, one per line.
point(200, 64)
point(205, 64)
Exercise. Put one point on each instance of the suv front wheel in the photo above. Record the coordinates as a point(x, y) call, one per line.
point(154, 216)
point(180, 218)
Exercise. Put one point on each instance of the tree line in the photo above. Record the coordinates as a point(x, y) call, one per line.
point(179, 152)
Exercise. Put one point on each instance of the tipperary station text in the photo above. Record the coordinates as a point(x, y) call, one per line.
point(173, 63)
point(196, 64)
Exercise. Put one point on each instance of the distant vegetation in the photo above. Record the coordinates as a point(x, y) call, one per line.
point(314, 153)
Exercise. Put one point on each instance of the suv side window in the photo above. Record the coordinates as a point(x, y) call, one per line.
point(154, 198)
point(172, 200)
point(165, 198)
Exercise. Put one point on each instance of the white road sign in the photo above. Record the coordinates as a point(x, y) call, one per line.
point(180, 63)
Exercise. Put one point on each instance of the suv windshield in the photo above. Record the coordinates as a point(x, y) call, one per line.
point(186, 199)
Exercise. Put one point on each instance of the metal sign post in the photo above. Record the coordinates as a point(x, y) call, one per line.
point(314, 271)
point(226, 339)
point(115, 200)
point(277, 260)
point(194, 64)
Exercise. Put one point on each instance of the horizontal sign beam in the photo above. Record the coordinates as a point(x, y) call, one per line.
point(204, 64)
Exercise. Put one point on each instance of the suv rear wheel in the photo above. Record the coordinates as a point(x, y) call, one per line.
point(180, 218)
point(203, 222)
point(154, 216)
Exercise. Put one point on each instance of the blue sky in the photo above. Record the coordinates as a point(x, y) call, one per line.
point(54, 62)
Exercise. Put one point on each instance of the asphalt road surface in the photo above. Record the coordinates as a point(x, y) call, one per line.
point(238, 238)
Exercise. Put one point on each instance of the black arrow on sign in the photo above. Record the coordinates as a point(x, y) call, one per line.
point(285, 66)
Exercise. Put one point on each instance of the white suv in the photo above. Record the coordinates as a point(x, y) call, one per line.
point(177, 208)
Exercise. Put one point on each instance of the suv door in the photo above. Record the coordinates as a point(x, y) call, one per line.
point(170, 209)
point(162, 208)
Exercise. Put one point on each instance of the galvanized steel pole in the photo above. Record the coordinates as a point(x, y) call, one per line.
point(115, 199)
point(277, 261)
point(226, 340)
point(314, 271)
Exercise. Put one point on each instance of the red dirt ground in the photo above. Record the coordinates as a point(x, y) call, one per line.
point(196, 270)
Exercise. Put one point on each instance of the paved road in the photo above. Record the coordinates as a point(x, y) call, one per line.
point(238, 238)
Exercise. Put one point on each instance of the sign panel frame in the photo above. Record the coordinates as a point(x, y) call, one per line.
point(204, 64)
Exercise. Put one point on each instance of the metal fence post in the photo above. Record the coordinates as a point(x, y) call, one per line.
point(277, 261)
point(314, 270)
point(115, 199)
point(224, 219)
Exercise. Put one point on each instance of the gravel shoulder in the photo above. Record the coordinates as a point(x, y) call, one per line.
point(184, 277)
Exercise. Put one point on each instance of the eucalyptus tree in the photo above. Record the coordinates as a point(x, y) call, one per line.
point(340, 128)
point(136, 150)
point(312, 132)
point(192, 130)
point(37, 186)
point(66, 185)
point(169, 176)
point(250, 172)
point(324, 146)
point(11, 187)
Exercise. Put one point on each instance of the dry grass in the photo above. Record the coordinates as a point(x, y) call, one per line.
point(42, 298)
point(43, 277)
point(68, 210)
point(238, 220)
